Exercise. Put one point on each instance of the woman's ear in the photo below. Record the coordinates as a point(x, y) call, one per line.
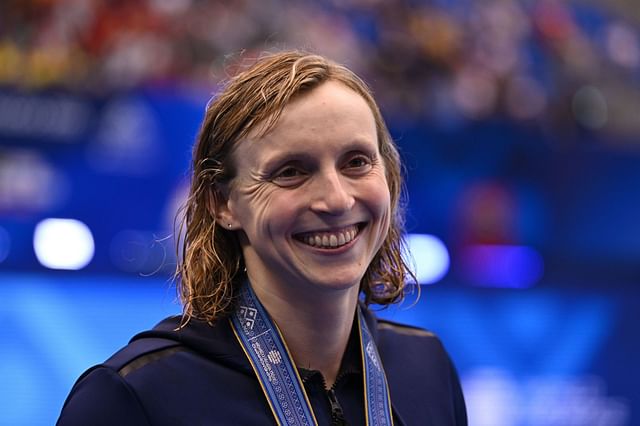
point(221, 208)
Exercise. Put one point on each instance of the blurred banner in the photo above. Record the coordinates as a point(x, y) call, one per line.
point(116, 165)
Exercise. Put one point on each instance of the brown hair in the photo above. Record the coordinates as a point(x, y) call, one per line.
point(211, 265)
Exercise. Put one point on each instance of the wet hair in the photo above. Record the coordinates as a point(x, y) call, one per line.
point(211, 265)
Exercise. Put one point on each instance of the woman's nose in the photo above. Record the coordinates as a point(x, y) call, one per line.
point(332, 194)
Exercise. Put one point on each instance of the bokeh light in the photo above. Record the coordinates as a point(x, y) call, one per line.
point(63, 244)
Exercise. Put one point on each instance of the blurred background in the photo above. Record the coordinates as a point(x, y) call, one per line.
point(518, 121)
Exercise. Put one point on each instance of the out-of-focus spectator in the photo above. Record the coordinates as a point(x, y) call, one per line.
point(545, 62)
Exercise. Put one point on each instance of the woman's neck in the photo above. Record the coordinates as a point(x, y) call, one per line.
point(316, 329)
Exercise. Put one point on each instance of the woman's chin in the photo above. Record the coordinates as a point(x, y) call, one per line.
point(336, 281)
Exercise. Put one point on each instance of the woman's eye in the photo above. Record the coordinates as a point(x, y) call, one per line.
point(288, 176)
point(288, 172)
point(359, 163)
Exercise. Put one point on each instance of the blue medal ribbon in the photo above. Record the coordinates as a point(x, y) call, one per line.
point(270, 359)
point(377, 401)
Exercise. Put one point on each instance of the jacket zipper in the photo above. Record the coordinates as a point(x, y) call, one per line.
point(337, 415)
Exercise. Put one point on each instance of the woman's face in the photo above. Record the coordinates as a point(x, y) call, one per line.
point(310, 197)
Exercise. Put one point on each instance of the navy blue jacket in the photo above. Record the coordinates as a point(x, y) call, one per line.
point(199, 375)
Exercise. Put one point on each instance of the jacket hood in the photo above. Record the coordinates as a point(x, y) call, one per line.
point(215, 341)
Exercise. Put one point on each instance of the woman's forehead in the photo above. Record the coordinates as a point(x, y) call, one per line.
point(331, 115)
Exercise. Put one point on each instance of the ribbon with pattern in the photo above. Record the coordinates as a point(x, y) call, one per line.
point(270, 359)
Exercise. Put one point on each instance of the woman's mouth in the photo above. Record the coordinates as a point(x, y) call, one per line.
point(330, 239)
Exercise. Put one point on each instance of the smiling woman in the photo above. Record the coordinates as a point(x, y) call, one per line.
point(316, 175)
point(294, 212)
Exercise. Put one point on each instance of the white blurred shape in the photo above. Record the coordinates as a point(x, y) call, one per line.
point(623, 45)
point(63, 244)
point(493, 397)
point(29, 182)
point(431, 257)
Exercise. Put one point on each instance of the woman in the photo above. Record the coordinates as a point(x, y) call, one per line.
point(293, 214)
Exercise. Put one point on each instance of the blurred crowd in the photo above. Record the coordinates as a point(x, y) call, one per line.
point(556, 62)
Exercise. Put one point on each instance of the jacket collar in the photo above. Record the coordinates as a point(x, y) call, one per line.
point(218, 342)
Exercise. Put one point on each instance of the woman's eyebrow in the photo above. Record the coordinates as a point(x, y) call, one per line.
point(280, 158)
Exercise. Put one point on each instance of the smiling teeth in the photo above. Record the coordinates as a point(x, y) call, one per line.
point(331, 239)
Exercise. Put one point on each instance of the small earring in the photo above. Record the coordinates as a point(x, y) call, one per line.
point(229, 225)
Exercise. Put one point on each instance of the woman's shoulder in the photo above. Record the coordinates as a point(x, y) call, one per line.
point(387, 332)
point(102, 397)
point(157, 365)
point(396, 328)
point(103, 394)
point(422, 377)
point(407, 342)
